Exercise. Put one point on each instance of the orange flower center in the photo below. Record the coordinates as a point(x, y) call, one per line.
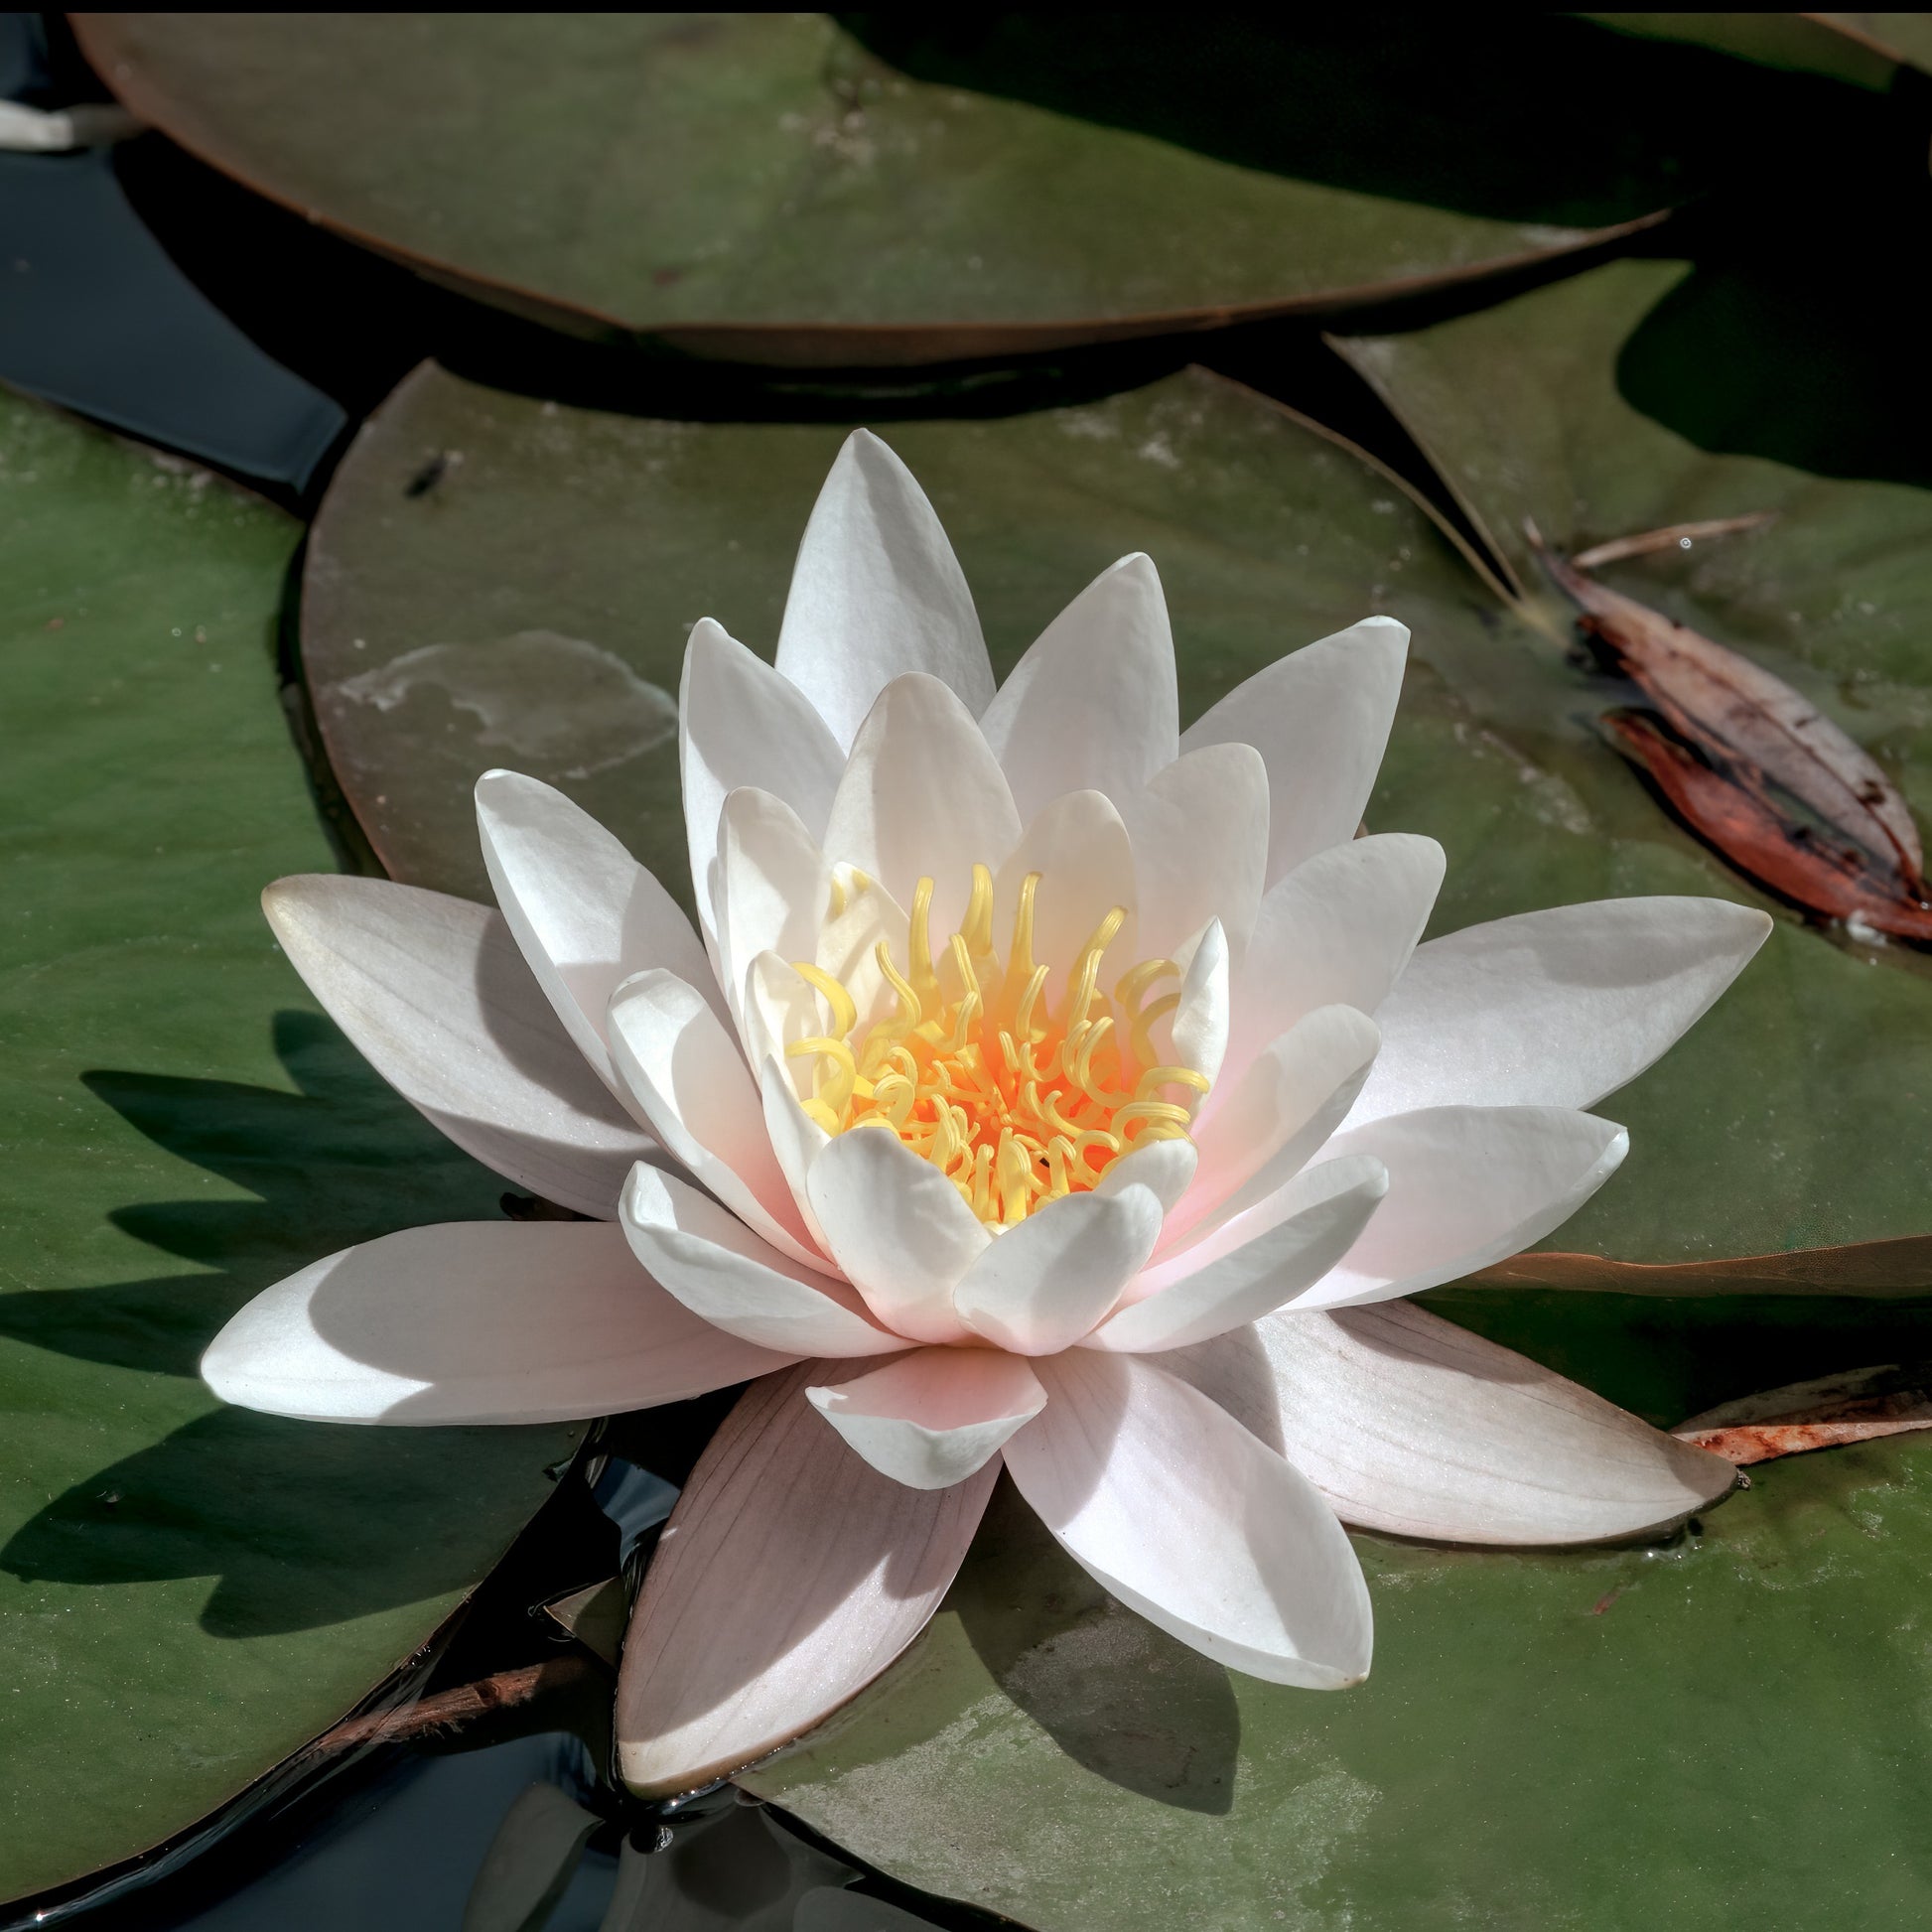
point(1015, 1104)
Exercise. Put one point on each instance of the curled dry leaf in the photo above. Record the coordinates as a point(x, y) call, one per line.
point(1852, 1406)
point(1752, 765)
point(1879, 1269)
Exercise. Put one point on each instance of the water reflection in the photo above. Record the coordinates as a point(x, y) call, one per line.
point(509, 1821)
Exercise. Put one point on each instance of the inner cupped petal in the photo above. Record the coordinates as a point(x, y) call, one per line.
point(933, 1417)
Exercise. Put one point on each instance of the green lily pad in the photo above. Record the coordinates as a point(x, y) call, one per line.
point(773, 187)
point(1910, 34)
point(529, 607)
point(187, 1592)
point(1725, 1732)
point(1554, 409)
point(1847, 47)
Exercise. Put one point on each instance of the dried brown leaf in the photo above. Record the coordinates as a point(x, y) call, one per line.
point(1758, 731)
point(1852, 1406)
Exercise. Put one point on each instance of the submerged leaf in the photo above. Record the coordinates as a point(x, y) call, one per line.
point(1852, 1406)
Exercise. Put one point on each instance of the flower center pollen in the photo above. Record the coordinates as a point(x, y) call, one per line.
point(1015, 1104)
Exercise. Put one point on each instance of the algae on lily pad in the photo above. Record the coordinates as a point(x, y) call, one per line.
point(779, 189)
point(188, 1593)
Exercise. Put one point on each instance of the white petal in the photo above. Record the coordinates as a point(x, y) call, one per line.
point(1321, 719)
point(1413, 1427)
point(1045, 1283)
point(1092, 706)
point(1168, 1168)
point(584, 912)
point(1282, 1111)
point(742, 724)
point(723, 1273)
point(1199, 831)
point(434, 993)
point(1556, 1007)
point(935, 1416)
point(790, 1575)
point(680, 1064)
point(797, 1140)
point(1187, 1518)
point(877, 592)
point(922, 797)
point(898, 1229)
point(1336, 931)
point(1323, 1213)
point(779, 1008)
point(1199, 1025)
point(474, 1321)
point(774, 889)
point(1079, 847)
point(1467, 1185)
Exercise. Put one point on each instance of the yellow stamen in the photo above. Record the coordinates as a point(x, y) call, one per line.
point(844, 1009)
point(973, 1073)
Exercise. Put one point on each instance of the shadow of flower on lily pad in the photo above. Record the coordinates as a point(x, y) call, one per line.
point(1118, 1696)
point(299, 1525)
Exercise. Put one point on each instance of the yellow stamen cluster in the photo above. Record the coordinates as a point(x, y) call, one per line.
point(1015, 1104)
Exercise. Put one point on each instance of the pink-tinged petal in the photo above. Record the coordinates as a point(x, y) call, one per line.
point(1467, 1185)
point(474, 1321)
point(739, 723)
point(1042, 1285)
point(1199, 1025)
point(433, 992)
point(935, 1416)
point(922, 797)
point(1413, 1427)
point(1320, 720)
point(1199, 831)
point(790, 1575)
point(876, 592)
point(1336, 931)
point(1280, 1114)
point(1556, 1007)
point(1079, 849)
point(774, 889)
point(680, 1065)
point(1189, 1519)
point(585, 912)
point(723, 1273)
point(898, 1228)
point(1093, 705)
point(1323, 1213)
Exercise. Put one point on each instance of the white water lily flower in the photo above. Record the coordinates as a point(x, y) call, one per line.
point(1046, 1088)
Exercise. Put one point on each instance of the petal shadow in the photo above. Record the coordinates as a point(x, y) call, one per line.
point(1119, 1696)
